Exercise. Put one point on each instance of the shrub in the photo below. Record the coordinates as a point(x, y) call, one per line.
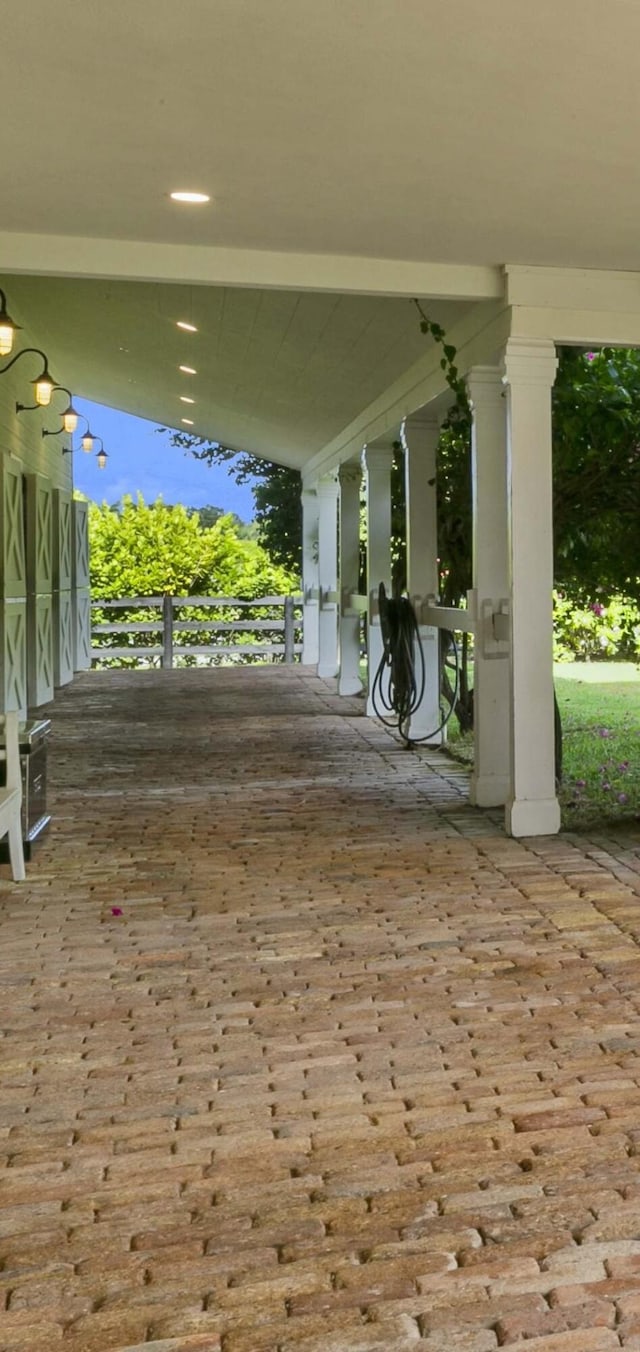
point(595, 630)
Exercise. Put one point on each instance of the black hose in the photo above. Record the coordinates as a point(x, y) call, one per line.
point(396, 698)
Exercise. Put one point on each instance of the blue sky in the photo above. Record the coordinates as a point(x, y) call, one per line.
point(141, 460)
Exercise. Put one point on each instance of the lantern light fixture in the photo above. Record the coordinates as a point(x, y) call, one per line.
point(101, 457)
point(86, 441)
point(8, 327)
point(69, 416)
point(43, 385)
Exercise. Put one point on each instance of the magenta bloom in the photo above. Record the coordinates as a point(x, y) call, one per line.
point(597, 609)
point(116, 910)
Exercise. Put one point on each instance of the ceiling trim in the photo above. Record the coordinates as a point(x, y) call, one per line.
point(135, 260)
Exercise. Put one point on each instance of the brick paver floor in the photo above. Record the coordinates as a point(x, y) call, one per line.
point(301, 1052)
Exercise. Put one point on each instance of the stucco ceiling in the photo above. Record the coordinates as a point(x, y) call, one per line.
point(471, 132)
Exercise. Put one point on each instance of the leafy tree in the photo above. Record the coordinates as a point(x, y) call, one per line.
point(145, 549)
point(149, 549)
point(596, 451)
point(276, 492)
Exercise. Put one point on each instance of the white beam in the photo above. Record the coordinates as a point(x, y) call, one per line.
point(421, 434)
point(310, 578)
point(327, 493)
point(491, 685)
point(377, 461)
point(135, 260)
point(532, 807)
point(350, 479)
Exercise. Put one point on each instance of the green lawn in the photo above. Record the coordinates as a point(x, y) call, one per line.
point(600, 709)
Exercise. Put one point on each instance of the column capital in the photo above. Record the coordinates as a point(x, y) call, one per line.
point(350, 473)
point(308, 492)
point(427, 419)
point(485, 384)
point(327, 487)
point(530, 361)
point(377, 457)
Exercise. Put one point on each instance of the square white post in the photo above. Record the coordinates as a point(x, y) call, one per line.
point(529, 372)
point(327, 494)
point(491, 676)
point(421, 436)
point(350, 479)
point(377, 462)
point(310, 578)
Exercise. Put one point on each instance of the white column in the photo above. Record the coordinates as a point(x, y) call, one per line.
point(532, 806)
point(310, 578)
point(350, 479)
point(421, 436)
point(377, 461)
point(327, 494)
point(491, 682)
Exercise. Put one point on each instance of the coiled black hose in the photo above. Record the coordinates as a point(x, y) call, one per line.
point(399, 683)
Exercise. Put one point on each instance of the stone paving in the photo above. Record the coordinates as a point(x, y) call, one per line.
point(301, 1052)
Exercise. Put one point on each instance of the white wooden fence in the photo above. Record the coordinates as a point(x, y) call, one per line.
point(170, 627)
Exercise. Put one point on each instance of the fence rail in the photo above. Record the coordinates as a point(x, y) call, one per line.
point(170, 622)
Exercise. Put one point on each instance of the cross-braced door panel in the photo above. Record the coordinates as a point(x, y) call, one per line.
point(13, 558)
point(62, 539)
point(81, 544)
point(82, 629)
point(62, 638)
point(39, 534)
point(13, 655)
point(40, 647)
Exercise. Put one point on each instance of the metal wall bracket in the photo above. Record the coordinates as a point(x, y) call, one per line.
point(495, 628)
point(353, 604)
point(328, 599)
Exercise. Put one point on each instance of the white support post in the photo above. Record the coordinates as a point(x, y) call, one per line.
point(310, 578)
point(491, 677)
point(377, 462)
point(421, 436)
point(529, 371)
point(327, 493)
point(350, 479)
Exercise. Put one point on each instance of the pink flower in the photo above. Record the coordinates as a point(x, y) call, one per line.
point(597, 609)
point(116, 910)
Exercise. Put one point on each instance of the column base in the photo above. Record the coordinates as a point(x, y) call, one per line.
point(488, 790)
point(532, 817)
point(420, 733)
point(327, 670)
point(350, 685)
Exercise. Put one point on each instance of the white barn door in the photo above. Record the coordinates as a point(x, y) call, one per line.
point(81, 594)
point(39, 590)
point(13, 589)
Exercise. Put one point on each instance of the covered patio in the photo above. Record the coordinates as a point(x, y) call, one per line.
point(304, 1053)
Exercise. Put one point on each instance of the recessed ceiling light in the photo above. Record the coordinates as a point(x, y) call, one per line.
point(188, 421)
point(194, 197)
point(189, 328)
point(186, 400)
point(189, 370)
